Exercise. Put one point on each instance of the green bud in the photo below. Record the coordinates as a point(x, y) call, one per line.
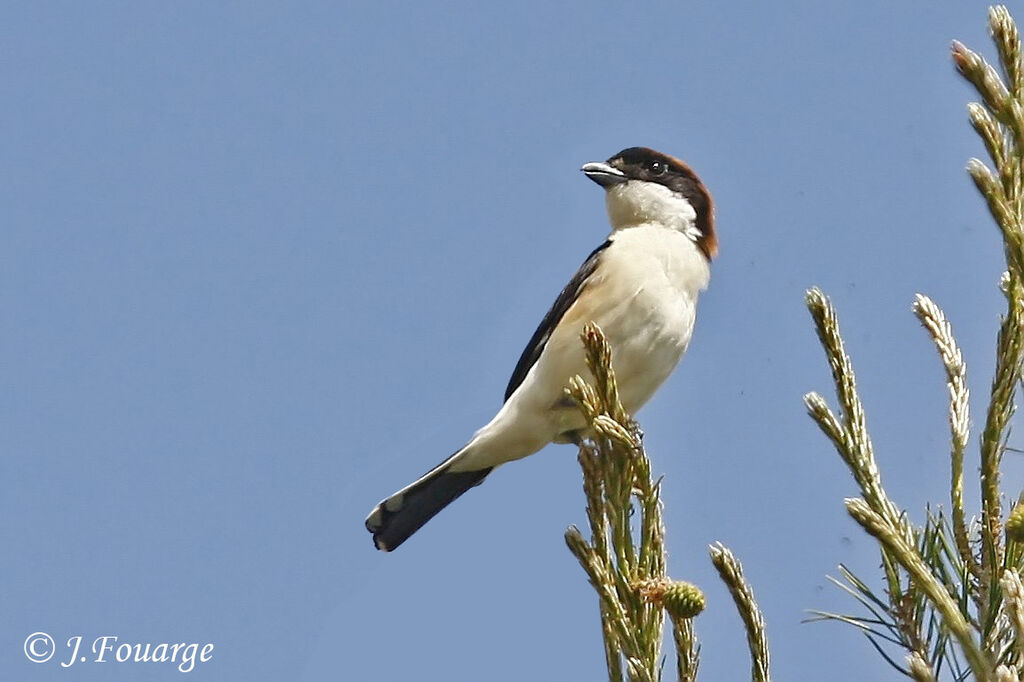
point(683, 600)
point(1015, 524)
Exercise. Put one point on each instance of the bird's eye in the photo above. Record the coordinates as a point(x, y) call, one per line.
point(656, 167)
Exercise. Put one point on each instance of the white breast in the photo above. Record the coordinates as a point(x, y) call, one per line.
point(653, 276)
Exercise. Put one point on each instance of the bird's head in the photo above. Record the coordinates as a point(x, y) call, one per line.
point(645, 186)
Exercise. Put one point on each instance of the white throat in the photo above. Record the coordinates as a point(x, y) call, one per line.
point(637, 202)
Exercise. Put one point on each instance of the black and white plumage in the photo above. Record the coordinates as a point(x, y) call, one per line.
point(640, 286)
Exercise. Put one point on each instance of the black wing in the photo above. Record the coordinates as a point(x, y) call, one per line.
point(547, 325)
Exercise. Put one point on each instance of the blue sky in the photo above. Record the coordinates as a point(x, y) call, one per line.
point(262, 265)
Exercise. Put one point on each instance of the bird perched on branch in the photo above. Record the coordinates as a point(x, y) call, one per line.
point(640, 286)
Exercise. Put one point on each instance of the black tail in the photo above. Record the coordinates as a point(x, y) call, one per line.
point(399, 516)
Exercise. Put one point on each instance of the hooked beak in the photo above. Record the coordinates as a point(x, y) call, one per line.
point(603, 174)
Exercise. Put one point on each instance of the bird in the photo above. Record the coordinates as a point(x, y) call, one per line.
point(640, 286)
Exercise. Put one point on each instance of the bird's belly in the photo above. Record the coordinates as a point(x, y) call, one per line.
point(648, 333)
point(648, 336)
